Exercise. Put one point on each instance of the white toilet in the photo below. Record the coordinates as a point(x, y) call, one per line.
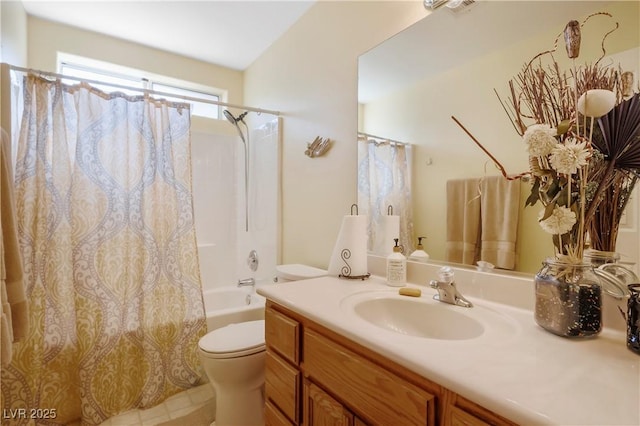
point(233, 358)
point(296, 272)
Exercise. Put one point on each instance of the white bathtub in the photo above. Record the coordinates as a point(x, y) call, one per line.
point(228, 305)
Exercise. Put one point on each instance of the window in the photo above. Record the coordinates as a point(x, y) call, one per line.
point(84, 68)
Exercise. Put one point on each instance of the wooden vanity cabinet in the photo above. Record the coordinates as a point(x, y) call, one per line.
point(316, 377)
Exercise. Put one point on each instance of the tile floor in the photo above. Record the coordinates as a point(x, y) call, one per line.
point(177, 406)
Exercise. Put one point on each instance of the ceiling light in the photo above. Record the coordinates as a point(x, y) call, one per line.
point(434, 4)
point(452, 4)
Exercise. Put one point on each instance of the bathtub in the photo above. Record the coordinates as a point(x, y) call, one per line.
point(228, 305)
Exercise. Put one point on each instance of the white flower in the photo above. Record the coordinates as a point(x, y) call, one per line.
point(560, 222)
point(540, 139)
point(567, 158)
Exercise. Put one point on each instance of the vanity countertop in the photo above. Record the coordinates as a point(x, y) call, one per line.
point(530, 376)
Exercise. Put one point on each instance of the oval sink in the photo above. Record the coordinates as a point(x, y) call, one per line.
point(410, 317)
point(424, 317)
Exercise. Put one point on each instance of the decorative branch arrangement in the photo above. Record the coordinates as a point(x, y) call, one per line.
point(582, 132)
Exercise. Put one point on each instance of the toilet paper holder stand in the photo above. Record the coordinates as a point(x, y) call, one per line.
point(345, 254)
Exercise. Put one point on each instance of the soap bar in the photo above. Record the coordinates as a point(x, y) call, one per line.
point(409, 291)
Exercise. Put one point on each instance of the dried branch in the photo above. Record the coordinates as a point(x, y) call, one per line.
point(494, 159)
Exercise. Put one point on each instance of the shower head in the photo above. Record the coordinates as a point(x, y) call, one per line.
point(232, 119)
point(229, 116)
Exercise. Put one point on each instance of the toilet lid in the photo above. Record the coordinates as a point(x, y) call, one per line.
point(234, 340)
point(296, 271)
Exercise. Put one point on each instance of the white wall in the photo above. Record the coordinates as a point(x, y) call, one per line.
point(214, 204)
point(13, 33)
point(13, 50)
point(310, 75)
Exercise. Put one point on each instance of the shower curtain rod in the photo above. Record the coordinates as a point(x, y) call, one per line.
point(146, 91)
point(382, 139)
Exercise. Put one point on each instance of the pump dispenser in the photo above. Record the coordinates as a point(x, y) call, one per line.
point(396, 267)
point(419, 255)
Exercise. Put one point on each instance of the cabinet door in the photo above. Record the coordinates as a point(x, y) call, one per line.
point(320, 409)
point(460, 417)
point(273, 416)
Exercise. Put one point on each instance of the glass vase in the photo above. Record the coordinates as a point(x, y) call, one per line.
point(568, 299)
point(599, 257)
point(633, 319)
point(614, 276)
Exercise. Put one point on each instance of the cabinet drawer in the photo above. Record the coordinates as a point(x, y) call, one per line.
point(378, 396)
point(273, 416)
point(282, 386)
point(282, 335)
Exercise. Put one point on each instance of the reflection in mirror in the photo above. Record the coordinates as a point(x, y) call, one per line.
point(384, 192)
point(449, 64)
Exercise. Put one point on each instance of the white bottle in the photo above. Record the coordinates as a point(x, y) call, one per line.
point(396, 267)
point(419, 255)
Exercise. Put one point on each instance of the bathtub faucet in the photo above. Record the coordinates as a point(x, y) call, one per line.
point(247, 282)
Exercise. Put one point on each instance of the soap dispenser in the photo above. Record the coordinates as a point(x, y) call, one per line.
point(396, 267)
point(419, 255)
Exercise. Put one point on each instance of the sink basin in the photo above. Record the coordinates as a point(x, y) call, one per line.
point(424, 317)
point(410, 317)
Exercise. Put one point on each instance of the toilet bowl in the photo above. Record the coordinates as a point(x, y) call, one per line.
point(233, 358)
point(297, 272)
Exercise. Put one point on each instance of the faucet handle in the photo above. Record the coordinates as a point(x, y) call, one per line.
point(446, 275)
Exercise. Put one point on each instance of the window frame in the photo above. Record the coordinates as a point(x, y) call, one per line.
point(91, 69)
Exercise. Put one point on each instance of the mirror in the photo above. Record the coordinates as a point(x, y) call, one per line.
point(448, 64)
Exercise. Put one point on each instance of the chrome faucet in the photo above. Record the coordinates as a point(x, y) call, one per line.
point(247, 282)
point(447, 290)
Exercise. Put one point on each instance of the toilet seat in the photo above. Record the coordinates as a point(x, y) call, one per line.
point(234, 340)
point(297, 271)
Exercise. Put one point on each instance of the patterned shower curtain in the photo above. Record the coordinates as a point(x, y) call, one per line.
point(103, 189)
point(384, 179)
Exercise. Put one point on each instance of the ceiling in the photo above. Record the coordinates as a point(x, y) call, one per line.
point(231, 33)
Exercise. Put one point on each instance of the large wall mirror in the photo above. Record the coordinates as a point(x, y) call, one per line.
point(448, 64)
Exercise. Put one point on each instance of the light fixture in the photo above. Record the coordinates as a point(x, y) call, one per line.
point(454, 5)
point(434, 4)
point(460, 5)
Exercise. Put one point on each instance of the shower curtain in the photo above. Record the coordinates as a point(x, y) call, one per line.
point(103, 191)
point(384, 178)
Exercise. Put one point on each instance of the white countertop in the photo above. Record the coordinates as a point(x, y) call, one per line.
point(529, 375)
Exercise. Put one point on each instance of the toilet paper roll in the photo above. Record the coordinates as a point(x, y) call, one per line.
point(389, 229)
point(350, 252)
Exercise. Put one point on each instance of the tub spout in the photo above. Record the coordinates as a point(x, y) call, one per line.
point(247, 282)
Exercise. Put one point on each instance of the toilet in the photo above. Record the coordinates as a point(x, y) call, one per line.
point(233, 358)
point(296, 272)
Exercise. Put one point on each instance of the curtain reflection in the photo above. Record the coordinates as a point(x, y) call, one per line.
point(384, 179)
